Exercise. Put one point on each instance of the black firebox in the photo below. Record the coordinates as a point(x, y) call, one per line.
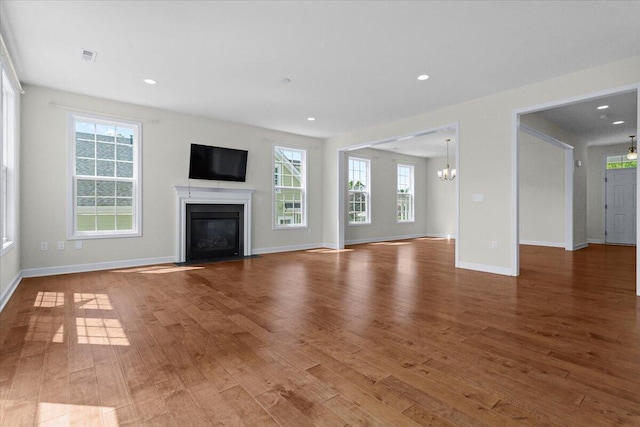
point(214, 231)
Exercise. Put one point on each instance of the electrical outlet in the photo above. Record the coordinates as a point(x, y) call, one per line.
point(78, 244)
point(494, 244)
point(61, 246)
point(44, 246)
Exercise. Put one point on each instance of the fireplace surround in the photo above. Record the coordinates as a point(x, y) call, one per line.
point(233, 203)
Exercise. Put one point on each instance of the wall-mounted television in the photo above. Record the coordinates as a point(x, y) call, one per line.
point(217, 163)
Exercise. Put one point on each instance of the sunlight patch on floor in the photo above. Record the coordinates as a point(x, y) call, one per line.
point(100, 331)
point(391, 243)
point(157, 269)
point(64, 414)
point(93, 301)
point(59, 335)
point(49, 299)
point(44, 328)
point(328, 251)
point(172, 270)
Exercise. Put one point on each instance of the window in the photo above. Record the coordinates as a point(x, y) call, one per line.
point(105, 178)
point(359, 191)
point(405, 193)
point(289, 187)
point(620, 162)
point(7, 162)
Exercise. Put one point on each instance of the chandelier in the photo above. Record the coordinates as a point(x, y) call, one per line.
point(633, 151)
point(448, 174)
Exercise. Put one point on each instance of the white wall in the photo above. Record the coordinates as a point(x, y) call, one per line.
point(579, 173)
point(542, 192)
point(595, 188)
point(441, 200)
point(384, 225)
point(486, 140)
point(165, 158)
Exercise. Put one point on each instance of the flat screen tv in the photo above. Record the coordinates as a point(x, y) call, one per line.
point(217, 163)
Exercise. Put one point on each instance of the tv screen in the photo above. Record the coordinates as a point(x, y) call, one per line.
point(217, 163)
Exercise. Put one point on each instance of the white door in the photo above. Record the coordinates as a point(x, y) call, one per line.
point(620, 206)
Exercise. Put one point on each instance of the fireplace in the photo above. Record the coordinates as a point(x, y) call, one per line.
point(221, 217)
point(214, 231)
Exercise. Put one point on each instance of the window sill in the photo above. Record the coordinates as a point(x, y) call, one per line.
point(6, 248)
point(356, 224)
point(103, 236)
point(406, 222)
point(289, 227)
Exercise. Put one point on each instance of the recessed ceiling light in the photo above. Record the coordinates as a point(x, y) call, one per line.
point(311, 119)
point(619, 122)
point(150, 81)
point(423, 77)
point(603, 107)
point(285, 80)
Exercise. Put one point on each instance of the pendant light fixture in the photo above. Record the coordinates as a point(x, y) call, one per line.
point(448, 174)
point(633, 151)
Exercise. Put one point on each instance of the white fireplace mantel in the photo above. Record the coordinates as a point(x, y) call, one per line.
point(211, 196)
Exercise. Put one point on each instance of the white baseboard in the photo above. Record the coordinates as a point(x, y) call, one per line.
point(504, 271)
point(539, 243)
point(80, 268)
point(287, 248)
point(384, 239)
point(4, 298)
point(580, 246)
point(441, 235)
point(596, 241)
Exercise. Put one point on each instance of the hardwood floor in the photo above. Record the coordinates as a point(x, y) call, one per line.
point(380, 334)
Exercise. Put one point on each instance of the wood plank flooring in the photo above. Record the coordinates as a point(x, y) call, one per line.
point(386, 334)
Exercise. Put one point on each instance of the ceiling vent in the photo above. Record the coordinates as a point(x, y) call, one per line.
point(88, 55)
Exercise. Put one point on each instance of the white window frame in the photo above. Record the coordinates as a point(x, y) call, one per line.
point(410, 192)
point(136, 231)
point(8, 131)
point(278, 220)
point(623, 160)
point(366, 191)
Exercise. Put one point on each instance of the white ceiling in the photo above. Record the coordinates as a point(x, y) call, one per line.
point(432, 144)
point(584, 120)
point(351, 64)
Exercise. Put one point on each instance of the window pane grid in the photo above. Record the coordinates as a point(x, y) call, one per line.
point(103, 205)
point(358, 209)
point(103, 181)
point(289, 187)
point(620, 162)
point(358, 203)
point(405, 197)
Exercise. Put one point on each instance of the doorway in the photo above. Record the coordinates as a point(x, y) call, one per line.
point(630, 92)
point(392, 144)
